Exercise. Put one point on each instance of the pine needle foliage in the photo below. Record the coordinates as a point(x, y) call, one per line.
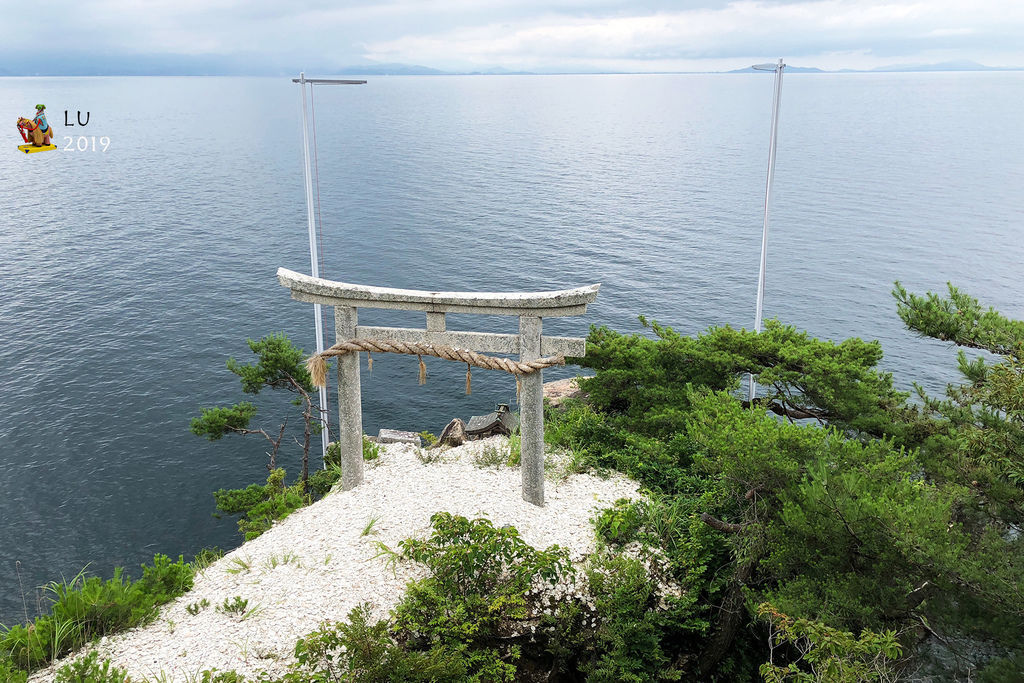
point(833, 497)
point(985, 415)
point(279, 365)
point(260, 505)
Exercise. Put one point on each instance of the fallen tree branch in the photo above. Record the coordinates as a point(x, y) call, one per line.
point(727, 527)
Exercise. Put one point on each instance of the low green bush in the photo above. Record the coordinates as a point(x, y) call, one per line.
point(515, 450)
point(87, 608)
point(10, 672)
point(467, 621)
point(322, 481)
point(194, 608)
point(479, 579)
point(619, 524)
point(205, 557)
point(261, 505)
point(90, 669)
point(371, 450)
point(827, 654)
point(631, 629)
point(237, 605)
point(361, 651)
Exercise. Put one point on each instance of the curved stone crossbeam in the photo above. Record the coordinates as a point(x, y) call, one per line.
point(557, 303)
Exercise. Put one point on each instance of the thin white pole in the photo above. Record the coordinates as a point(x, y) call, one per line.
point(313, 260)
point(776, 101)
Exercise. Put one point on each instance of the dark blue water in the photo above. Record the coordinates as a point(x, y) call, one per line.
point(127, 277)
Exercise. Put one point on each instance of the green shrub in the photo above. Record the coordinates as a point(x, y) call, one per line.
point(359, 651)
point(90, 669)
point(567, 638)
point(371, 450)
point(825, 654)
point(619, 524)
point(515, 450)
point(322, 481)
point(236, 605)
point(451, 626)
point(11, 673)
point(429, 438)
point(479, 578)
point(194, 608)
point(87, 608)
point(166, 580)
point(333, 457)
point(261, 505)
point(473, 558)
point(205, 557)
point(632, 631)
point(838, 522)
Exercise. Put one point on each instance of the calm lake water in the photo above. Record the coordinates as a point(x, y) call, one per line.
point(127, 277)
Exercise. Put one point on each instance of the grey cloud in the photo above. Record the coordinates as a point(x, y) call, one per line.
point(264, 35)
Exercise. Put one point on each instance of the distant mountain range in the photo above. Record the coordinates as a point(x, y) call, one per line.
point(200, 65)
point(894, 68)
point(252, 65)
point(963, 65)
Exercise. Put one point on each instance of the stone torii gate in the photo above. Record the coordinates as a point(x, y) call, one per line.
point(535, 351)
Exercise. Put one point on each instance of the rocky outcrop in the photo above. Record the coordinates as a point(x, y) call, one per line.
point(559, 390)
point(453, 435)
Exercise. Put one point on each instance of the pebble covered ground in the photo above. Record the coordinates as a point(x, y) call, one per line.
point(322, 560)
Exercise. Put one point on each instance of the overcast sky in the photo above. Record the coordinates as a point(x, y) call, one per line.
point(535, 35)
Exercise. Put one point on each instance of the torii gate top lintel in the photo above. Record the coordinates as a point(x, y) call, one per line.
point(555, 303)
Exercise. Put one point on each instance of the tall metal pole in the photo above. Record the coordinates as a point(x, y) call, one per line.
point(776, 101)
point(314, 261)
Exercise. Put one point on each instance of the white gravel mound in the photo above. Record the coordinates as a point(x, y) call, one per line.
point(317, 564)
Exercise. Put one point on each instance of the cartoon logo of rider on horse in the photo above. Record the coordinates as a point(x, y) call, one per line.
point(36, 132)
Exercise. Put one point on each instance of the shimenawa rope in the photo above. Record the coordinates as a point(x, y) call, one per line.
point(317, 363)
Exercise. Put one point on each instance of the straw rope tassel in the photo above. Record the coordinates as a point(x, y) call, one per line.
point(317, 367)
point(469, 378)
point(369, 361)
point(518, 388)
point(423, 371)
